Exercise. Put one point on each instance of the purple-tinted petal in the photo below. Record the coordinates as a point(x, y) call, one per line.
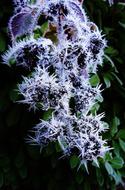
point(77, 10)
point(21, 24)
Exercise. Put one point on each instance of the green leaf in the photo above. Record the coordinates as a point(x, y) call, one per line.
point(74, 160)
point(111, 51)
point(120, 3)
point(121, 134)
point(122, 24)
point(117, 162)
point(62, 142)
point(122, 144)
point(116, 148)
point(58, 148)
point(100, 177)
point(107, 81)
point(46, 115)
point(108, 156)
point(94, 80)
point(44, 27)
point(12, 61)
point(99, 98)
point(109, 168)
point(117, 177)
point(107, 58)
point(115, 124)
point(95, 108)
point(95, 163)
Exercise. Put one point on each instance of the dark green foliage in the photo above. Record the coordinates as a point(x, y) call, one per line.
point(22, 166)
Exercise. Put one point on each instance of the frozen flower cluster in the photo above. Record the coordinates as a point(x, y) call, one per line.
point(61, 72)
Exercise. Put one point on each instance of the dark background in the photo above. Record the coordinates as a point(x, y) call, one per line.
point(22, 166)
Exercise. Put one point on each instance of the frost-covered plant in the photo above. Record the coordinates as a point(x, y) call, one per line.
point(61, 73)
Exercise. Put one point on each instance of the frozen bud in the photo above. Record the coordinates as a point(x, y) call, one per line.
point(75, 80)
point(26, 52)
point(43, 89)
point(90, 124)
point(96, 44)
point(47, 131)
point(91, 147)
point(83, 95)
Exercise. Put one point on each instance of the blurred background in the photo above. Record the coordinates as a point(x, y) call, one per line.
point(22, 166)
